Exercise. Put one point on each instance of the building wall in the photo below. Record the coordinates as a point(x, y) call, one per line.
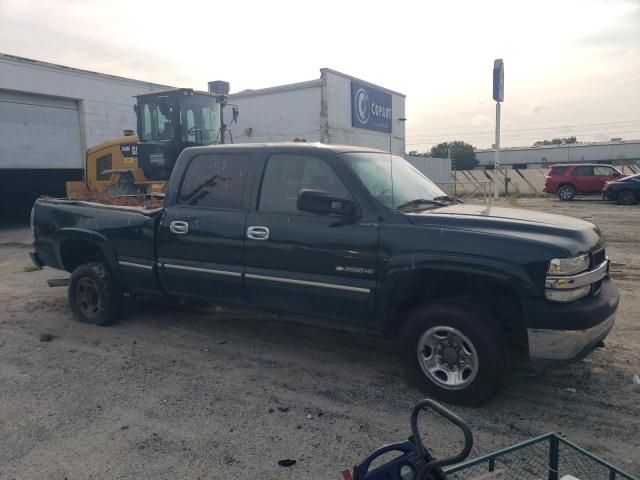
point(317, 111)
point(105, 101)
point(438, 170)
point(339, 127)
point(278, 114)
point(615, 152)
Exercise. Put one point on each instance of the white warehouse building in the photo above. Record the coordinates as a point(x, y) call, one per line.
point(616, 152)
point(49, 115)
point(336, 108)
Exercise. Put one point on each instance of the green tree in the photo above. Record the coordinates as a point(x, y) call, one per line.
point(463, 155)
point(558, 141)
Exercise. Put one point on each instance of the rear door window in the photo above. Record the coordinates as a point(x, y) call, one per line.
point(214, 181)
point(583, 171)
point(559, 170)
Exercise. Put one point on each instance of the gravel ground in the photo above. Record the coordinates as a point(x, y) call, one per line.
point(174, 392)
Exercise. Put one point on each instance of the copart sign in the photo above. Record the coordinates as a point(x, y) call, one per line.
point(370, 108)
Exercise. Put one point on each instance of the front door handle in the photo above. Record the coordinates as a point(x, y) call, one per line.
point(258, 233)
point(179, 227)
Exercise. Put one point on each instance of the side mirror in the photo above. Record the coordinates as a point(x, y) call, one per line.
point(323, 203)
point(234, 112)
point(135, 108)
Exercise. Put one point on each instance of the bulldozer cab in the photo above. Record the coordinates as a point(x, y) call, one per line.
point(172, 120)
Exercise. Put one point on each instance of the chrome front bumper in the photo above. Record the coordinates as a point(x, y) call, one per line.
point(562, 346)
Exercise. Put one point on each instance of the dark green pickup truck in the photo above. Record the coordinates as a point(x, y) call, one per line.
point(357, 238)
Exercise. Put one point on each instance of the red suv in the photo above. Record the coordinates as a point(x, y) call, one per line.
point(567, 180)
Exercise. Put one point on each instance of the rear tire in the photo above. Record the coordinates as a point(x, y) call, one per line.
point(627, 197)
point(94, 296)
point(566, 192)
point(454, 351)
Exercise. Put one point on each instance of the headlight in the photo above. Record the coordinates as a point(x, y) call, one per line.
point(568, 266)
point(567, 295)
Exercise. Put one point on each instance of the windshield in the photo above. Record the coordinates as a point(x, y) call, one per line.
point(200, 120)
point(391, 179)
point(197, 121)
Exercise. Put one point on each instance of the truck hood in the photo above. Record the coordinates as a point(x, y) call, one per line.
point(573, 235)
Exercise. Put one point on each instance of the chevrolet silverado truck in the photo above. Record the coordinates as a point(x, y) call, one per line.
point(354, 238)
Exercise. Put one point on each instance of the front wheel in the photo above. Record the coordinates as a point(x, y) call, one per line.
point(94, 296)
point(454, 352)
point(566, 192)
point(627, 197)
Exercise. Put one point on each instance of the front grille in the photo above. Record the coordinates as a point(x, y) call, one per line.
point(597, 258)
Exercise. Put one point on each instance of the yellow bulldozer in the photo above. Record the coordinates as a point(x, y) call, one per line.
point(167, 122)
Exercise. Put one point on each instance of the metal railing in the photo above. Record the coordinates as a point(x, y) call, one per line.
point(548, 457)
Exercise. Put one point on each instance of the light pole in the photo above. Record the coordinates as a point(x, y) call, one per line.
point(498, 96)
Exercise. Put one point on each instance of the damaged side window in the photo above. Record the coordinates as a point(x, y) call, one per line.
point(214, 181)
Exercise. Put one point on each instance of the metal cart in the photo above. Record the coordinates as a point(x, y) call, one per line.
point(547, 457)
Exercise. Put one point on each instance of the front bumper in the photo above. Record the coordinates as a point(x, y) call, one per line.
point(549, 347)
point(560, 333)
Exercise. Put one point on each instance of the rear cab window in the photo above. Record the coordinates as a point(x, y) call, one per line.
point(214, 181)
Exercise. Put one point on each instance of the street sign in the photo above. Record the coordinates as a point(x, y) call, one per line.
point(498, 80)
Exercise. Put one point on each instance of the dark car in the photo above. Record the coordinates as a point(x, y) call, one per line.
point(625, 191)
point(327, 231)
point(567, 180)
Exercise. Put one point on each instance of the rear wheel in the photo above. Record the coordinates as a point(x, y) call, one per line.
point(627, 197)
point(94, 296)
point(454, 351)
point(566, 192)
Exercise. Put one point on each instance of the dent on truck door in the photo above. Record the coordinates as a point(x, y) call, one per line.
point(302, 262)
point(201, 237)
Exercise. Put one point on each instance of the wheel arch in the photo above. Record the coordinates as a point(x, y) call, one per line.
point(77, 247)
point(498, 286)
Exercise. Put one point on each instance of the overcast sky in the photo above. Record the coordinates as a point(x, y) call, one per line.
point(572, 67)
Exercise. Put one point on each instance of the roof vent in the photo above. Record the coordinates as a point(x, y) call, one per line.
point(219, 87)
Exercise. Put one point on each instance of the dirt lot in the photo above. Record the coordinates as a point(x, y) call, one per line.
point(195, 393)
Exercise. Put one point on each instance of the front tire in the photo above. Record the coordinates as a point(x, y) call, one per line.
point(94, 296)
point(454, 352)
point(627, 197)
point(566, 192)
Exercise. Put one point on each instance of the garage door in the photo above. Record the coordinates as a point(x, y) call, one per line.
point(38, 131)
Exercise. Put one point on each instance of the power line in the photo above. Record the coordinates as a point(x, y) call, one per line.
point(476, 140)
point(489, 132)
point(457, 127)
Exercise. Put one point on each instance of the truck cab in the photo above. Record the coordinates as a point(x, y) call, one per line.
point(172, 120)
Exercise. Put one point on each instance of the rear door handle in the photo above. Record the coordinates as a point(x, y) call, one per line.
point(179, 227)
point(258, 233)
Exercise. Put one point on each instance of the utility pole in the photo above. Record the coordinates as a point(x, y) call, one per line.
point(498, 96)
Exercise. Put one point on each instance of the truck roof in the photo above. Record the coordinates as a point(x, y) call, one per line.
point(336, 148)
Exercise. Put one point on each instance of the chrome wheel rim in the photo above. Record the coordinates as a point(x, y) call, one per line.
point(447, 357)
point(565, 193)
point(87, 297)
